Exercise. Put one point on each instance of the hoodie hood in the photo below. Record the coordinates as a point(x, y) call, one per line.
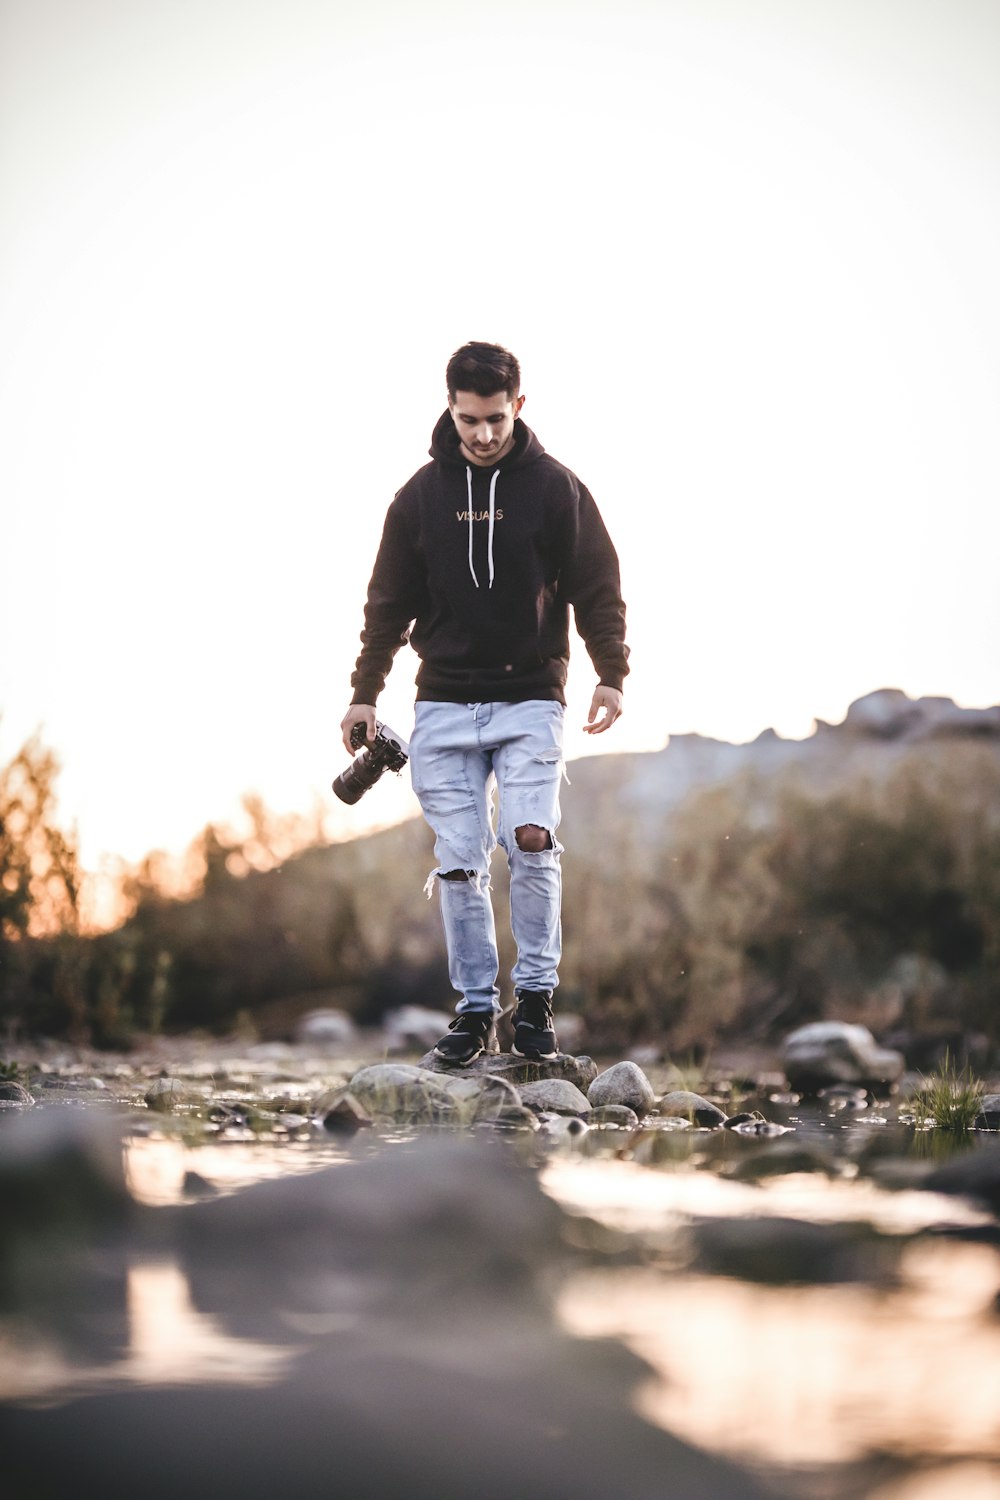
point(447, 449)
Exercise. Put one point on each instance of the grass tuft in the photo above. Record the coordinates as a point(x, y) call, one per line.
point(951, 1098)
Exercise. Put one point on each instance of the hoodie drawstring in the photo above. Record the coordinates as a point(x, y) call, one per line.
point(493, 490)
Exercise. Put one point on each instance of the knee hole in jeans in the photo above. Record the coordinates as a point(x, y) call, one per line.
point(458, 874)
point(532, 839)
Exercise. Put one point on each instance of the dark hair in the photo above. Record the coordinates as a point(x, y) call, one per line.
point(485, 369)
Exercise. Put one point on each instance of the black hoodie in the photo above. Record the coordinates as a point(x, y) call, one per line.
point(484, 604)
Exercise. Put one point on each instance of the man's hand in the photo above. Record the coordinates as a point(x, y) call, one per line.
point(607, 701)
point(358, 713)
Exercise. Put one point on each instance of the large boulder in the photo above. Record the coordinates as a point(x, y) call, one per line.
point(829, 1052)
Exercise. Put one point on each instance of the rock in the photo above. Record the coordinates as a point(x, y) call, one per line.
point(685, 1105)
point(344, 1115)
point(989, 1113)
point(169, 1096)
point(196, 1186)
point(481, 1098)
point(556, 1094)
point(745, 1117)
point(615, 1116)
point(780, 1252)
point(624, 1083)
point(404, 1298)
point(517, 1070)
point(413, 1028)
point(325, 1031)
point(834, 1052)
point(404, 1093)
point(974, 1174)
point(14, 1094)
point(780, 1160)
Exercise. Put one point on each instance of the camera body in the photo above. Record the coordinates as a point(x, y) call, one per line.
point(390, 752)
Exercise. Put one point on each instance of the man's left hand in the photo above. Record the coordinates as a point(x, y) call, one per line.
point(606, 703)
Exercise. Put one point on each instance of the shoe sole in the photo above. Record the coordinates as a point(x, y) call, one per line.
point(534, 1056)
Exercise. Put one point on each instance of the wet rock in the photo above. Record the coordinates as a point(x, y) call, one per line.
point(834, 1052)
point(989, 1113)
point(615, 1116)
point(745, 1117)
point(194, 1185)
point(683, 1104)
point(414, 1028)
point(15, 1095)
point(409, 1295)
point(325, 1030)
point(170, 1096)
point(556, 1094)
point(480, 1098)
point(780, 1160)
point(345, 1115)
point(563, 1129)
point(402, 1092)
point(840, 1097)
point(974, 1174)
point(517, 1070)
point(64, 1207)
point(780, 1251)
point(623, 1083)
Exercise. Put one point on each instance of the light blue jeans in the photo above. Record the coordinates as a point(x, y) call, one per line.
point(460, 753)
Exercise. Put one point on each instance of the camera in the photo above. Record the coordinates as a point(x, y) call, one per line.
point(390, 752)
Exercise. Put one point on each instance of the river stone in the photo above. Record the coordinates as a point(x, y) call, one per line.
point(557, 1094)
point(518, 1070)
point(480, 1098)
point(617, 1116)
point(344, 1115)
point(400, 1091)
point(14, 1094)
point(169, 1095)
point(685, 1105)
point(833, 1052)
point(623, 1083)
point(411, 1028)
point(327, 1030)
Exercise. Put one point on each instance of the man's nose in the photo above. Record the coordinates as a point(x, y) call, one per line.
point(483, 435)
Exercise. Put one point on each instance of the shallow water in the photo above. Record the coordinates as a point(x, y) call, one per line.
point(884, 1384)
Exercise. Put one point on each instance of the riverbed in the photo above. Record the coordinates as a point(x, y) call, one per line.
point(829, 1327)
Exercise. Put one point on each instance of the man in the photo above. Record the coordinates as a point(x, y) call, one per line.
point(483, 552)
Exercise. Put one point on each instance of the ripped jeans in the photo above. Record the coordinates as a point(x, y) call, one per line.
point(459, 754)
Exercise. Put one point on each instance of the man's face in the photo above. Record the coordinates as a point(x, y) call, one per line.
point(485, 424)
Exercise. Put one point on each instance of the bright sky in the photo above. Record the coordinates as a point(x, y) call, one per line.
point(746, 251)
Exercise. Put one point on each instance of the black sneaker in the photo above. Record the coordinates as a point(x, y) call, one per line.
point(468, 1036)
point(534, 1036)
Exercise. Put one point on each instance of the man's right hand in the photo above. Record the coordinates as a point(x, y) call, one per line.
point(358, 713)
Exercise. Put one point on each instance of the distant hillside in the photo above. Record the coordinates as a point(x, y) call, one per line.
point(712, 892)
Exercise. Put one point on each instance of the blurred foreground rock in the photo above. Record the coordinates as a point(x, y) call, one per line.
point(409, 1301)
